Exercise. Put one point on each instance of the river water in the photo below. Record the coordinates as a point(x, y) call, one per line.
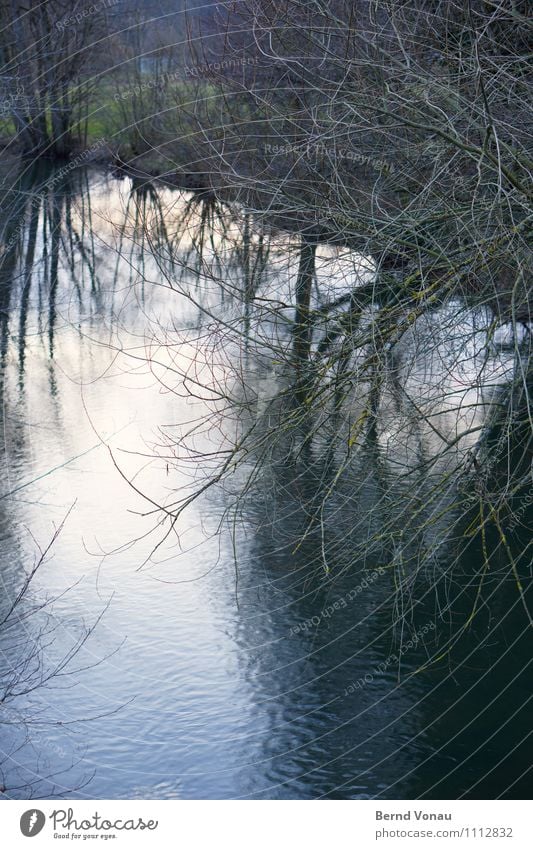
point(227, 662)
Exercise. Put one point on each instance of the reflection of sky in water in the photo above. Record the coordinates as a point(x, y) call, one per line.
point(205, 688)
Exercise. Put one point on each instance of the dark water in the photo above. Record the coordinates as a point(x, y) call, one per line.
point(226, 665)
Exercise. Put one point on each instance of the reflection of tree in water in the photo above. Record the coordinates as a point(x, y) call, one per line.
point(342, 716)
point(46, 222)
point(350, 440)
point(388, 422)
point(387, 410)
point(46, 238)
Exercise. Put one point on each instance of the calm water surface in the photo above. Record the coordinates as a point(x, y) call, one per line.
point(204, 678)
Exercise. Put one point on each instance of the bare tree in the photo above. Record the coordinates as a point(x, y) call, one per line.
point(49, 55)
point(396, 132)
